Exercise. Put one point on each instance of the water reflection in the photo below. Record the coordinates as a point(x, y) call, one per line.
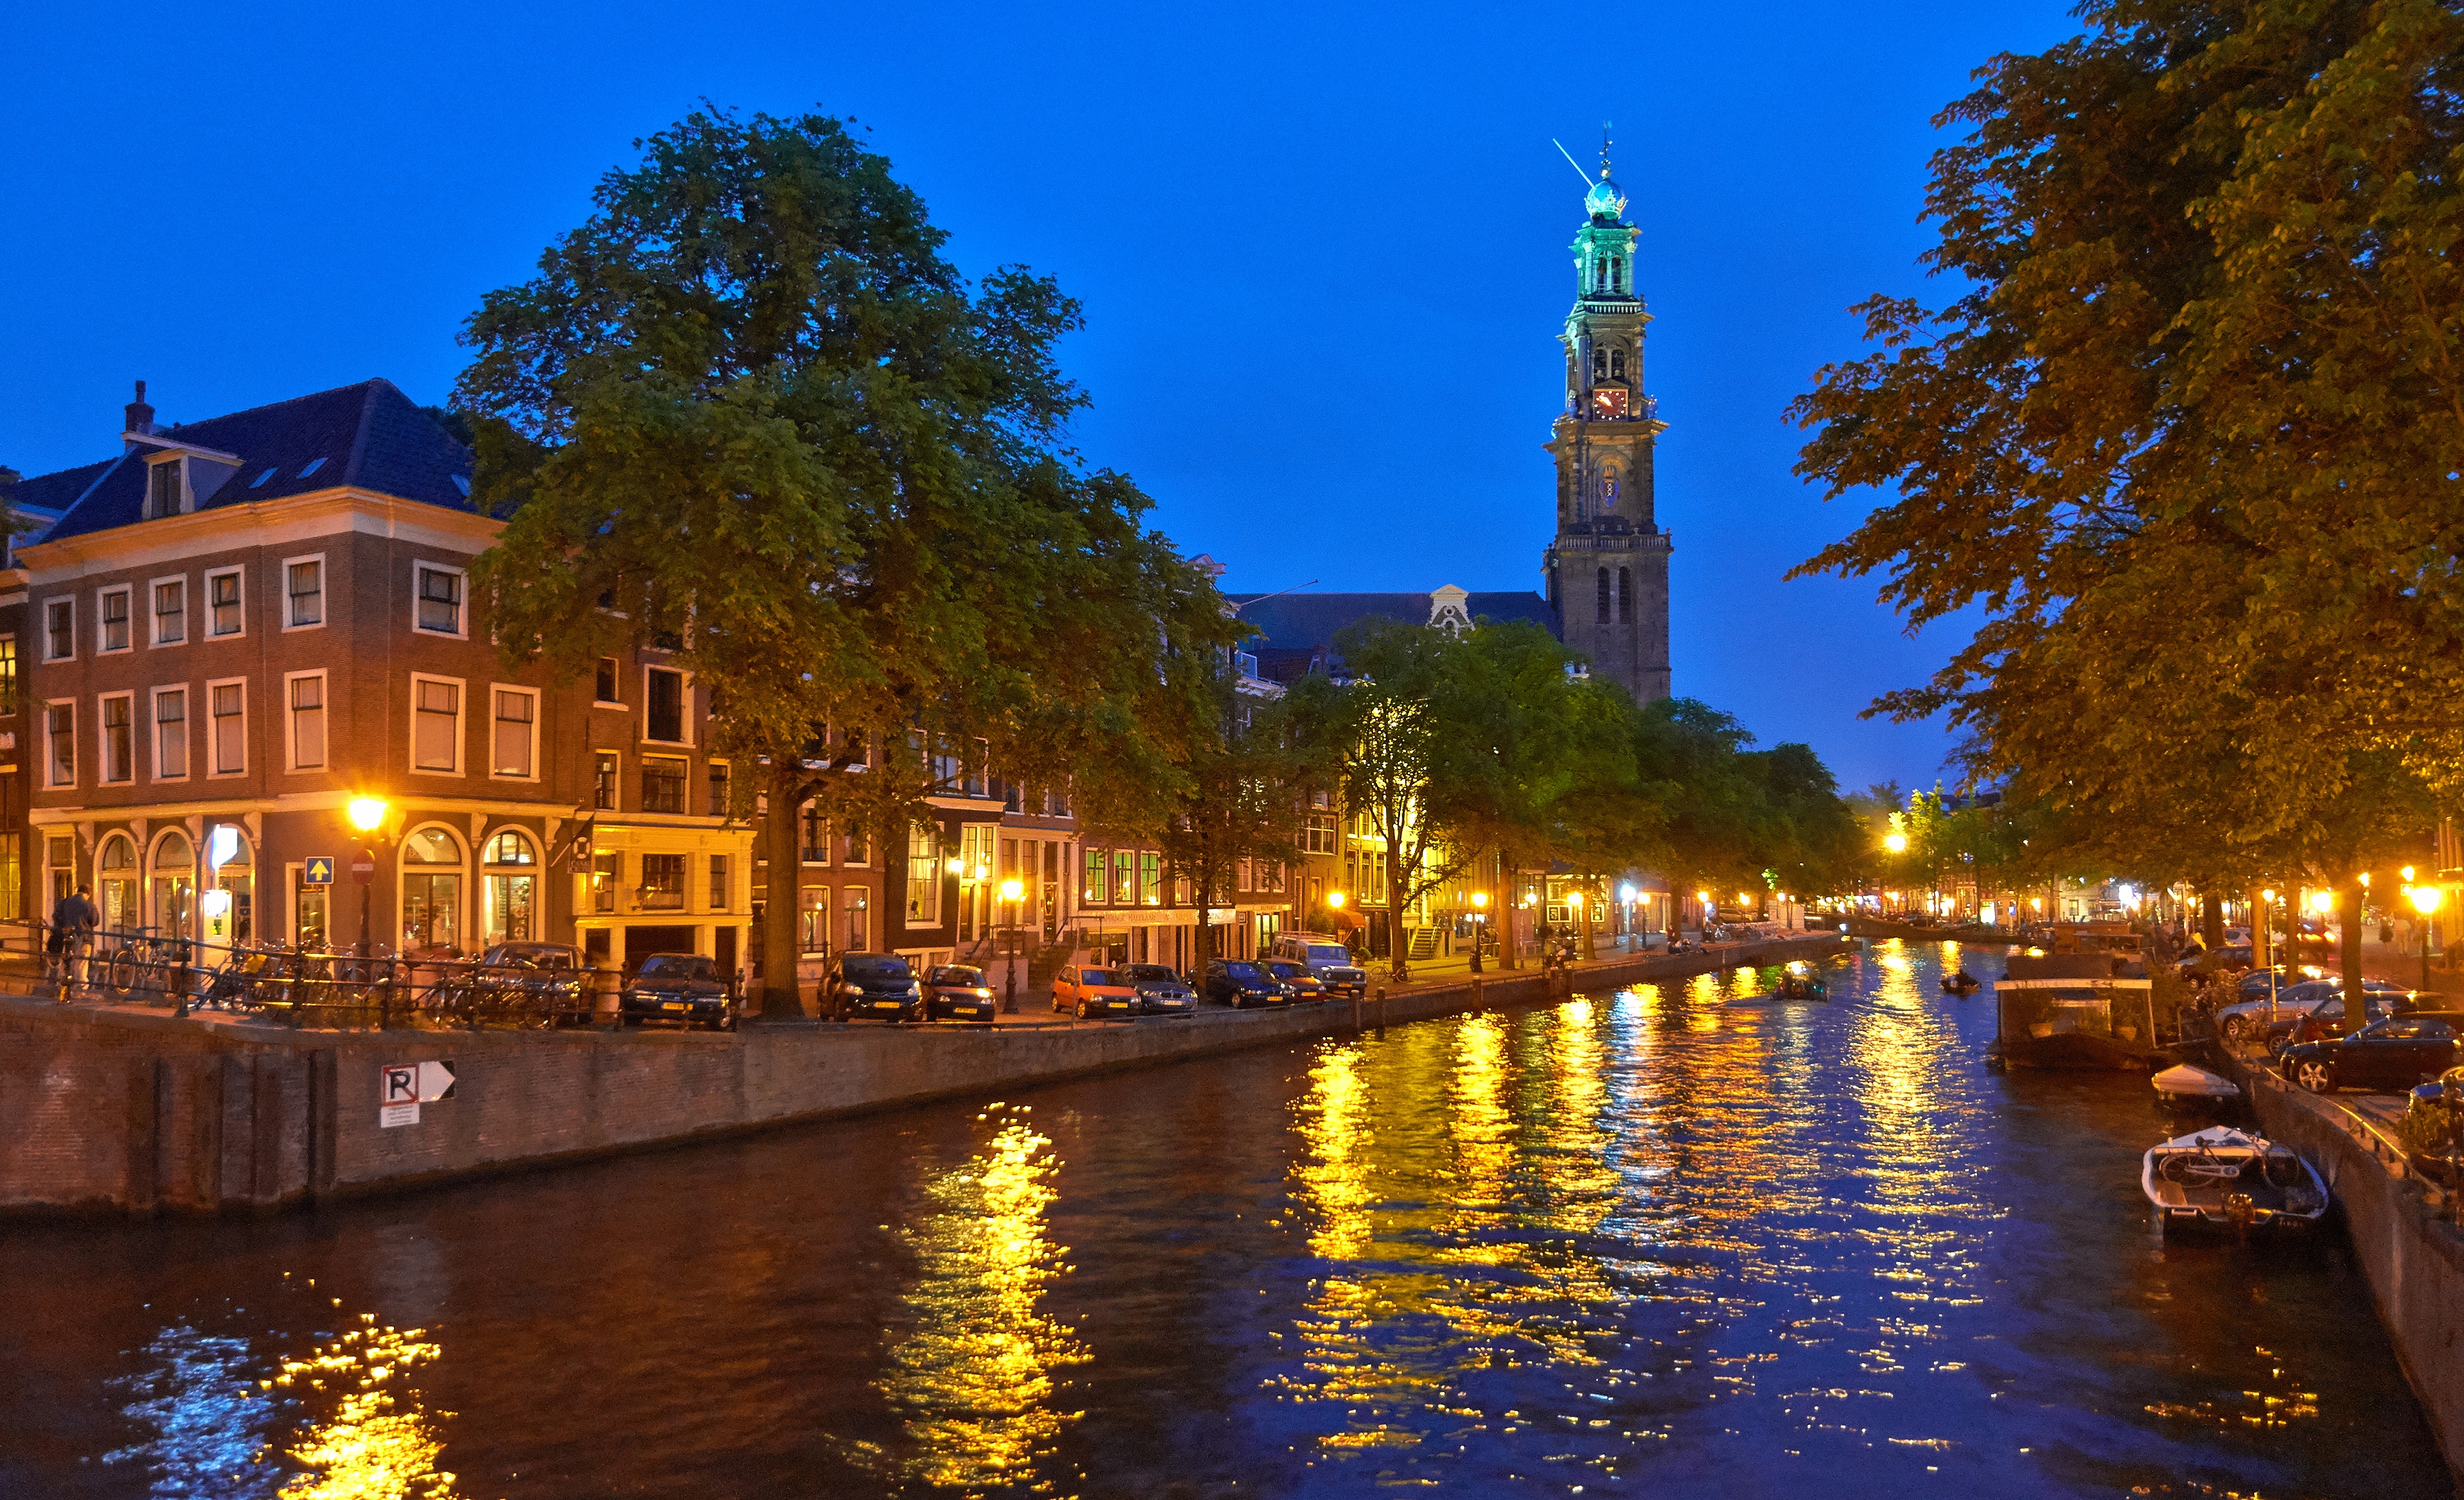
point(371, 1439)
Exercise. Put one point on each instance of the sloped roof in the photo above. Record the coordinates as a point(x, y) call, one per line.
point(1300, 622)
point(369, 436)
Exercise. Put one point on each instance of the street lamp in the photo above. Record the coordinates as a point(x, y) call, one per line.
point(2424, 900)
point(1478, 915)
point(1012, 892)
point(1896, 843)
point(367, 814)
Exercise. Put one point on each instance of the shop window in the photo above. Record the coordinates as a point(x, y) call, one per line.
point(663, 882)
point(606, 870)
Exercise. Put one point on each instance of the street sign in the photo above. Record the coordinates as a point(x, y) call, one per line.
point(319, 871)
point(401, 1088)
point(363, 868)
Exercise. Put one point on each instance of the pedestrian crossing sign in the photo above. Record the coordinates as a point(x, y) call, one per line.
point(319, 871)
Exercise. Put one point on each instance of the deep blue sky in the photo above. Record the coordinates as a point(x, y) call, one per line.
point(1322, 248)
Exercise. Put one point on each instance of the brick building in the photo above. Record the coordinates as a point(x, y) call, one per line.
point(243, 623)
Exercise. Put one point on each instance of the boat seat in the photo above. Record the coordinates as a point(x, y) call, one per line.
point(2171, 1195)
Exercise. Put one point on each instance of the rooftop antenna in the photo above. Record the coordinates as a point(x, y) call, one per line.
point(1571, 162)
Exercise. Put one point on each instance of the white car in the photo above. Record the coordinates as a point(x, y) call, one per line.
point(2251, 1019)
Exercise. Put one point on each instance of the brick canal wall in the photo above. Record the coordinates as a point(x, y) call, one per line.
point(2414, 1260)
point(116, 1109)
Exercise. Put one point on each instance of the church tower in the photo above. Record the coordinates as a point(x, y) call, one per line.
point(1607, 569)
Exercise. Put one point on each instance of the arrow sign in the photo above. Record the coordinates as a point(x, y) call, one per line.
point(319, 871)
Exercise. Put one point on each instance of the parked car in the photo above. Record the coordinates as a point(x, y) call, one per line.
point(2392, 1056)
point(1296, 978)
point(2218, 961)
point(960, 992)
point(1091, 993)
point(1325, 957)
point(512, 980)
point(1237, 983)
point(1160, 991)
point(684, 987)
point(871, 986)
point(2248, 1019)
point(2328, 1019)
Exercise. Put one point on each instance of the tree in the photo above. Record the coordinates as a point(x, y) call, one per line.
point(1237, 800)
point(2191, 436)
point(746, 412)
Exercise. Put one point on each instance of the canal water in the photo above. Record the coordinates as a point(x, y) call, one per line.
point(1665, 1241)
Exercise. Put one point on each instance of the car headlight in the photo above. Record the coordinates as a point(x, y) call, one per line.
point(851, 989)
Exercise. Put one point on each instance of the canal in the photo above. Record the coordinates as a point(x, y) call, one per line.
point(1663, 1240)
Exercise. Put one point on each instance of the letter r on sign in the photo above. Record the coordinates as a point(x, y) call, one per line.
point(402, 1084)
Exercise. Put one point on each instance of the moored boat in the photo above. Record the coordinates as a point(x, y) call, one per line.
point(2072, 1011)
point(2184, 1086)
point(2226, 1179)
point(1962, 983)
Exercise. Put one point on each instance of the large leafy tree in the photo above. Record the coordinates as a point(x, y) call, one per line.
point(2191, 432)
point(747, 412)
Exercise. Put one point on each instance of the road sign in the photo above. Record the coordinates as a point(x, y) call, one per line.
point(401, 1088)
point(319, 871)
point(363, 868)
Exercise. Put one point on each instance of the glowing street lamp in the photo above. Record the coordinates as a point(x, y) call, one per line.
point(1013, 890)
point(367, 813)
point(2426, 900)
point(1896, 843)
point(1334, 899)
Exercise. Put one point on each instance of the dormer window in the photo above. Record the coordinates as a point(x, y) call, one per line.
point(163, 489)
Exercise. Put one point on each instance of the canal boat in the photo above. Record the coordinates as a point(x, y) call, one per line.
point(1961, 984)
point(2224, 1178)
point(2193, 1089)
point(2073, 1011)
point(1799, 981)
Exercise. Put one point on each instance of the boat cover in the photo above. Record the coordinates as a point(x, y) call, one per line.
point(2187, 1080)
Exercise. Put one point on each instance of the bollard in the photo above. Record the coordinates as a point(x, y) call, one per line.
point(1355, 1014)
point(1381, 1010)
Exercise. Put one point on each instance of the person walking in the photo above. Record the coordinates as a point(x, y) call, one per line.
point(72, 923)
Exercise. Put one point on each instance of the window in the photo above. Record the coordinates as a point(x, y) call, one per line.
point(606, 872)
point(718, 793)
point(1600, 365)
point(170, 610)
point(162, 490)
point(603, 780)
point(1617, 365)
point(813, 933)
point(307, 695)
point(511, 888)
point(221, 603)
point(663, 783)
point(513, 748)
point(812, 836)
point(1317, 833)
point(924, 874)
point(857, 902)
point(1124, 878)
point(439, 592)
point(118, 737)
point(1092, 890)
point(663, 710)
point(171, 735)
point(975, 763)
point(1625, 596)
point(431, 889)
point(435, 725)
point(1150, 880)
point(718, 882)
point(1604, 596)
point(59, 629)
point(606, 690)
point(59, 728)
point(303, 588)
point(111, 606)
point(8, 675)
point(663, 882)
point(228, 703)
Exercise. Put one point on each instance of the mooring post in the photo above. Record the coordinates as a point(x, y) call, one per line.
point(1381, 1010)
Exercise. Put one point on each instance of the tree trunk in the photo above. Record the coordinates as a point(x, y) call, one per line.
point(2348, 902)
point(781, 999)
point(1397, 885)
point(2211, 918)
point(2261, 941)
point(1588, 906)
point(1510, 939)
point(1481, 868)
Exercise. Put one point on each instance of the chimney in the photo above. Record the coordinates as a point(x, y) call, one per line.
point(141, 416)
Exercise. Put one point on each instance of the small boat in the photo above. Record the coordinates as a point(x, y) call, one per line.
point(2189, 1087)
point(1801, 986)
point(2221, 1178)
point(1962, 983)
point(2071, 1011)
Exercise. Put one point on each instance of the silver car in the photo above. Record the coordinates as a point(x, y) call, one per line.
point(1160, 991)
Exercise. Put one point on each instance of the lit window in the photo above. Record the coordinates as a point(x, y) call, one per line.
point(440, 601)
point(304, 585)
point(663, 783)
point(221, 603)
point(308, 722)
point(604, 780)
point(230, 708)
point(663, 882)
point(436, 725)
point(515, 713)
point(171, 611)
point(171, 735)
point(718, 882)
point(924, 874)
point(8, 675)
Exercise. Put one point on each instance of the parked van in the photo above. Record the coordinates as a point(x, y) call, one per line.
point(1324, 956)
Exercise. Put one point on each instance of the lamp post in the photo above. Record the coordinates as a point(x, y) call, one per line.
point(1012, 892)
point(367, 814)
point(1479, 913)
point(2426, 900)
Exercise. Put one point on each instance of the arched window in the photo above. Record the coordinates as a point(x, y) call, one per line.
point(1599, 364)
point(1616, 272)
point(115, 865)
point(512, 888)
point(175, 886)
point(1617, 365)
point(236, 875)
point(1604, 596)
point(431, 891)
point(1625, 597)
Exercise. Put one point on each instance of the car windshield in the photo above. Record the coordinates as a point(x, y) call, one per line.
point(1282, 971)
point(1095, 977)
point(955, 974)
point(1241, 970)
point(876, 967)
point(676, 966)
point(1328, 953)
point(1153, 974)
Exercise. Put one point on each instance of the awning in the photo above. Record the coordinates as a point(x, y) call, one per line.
point(1346, 918)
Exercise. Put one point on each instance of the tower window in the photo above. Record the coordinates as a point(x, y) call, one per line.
point(1617, 365)
point(1600, 365)
point(1604, 596)
point(1625, 597)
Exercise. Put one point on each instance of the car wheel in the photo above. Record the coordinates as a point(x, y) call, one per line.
point(2315, 1075)
point(1082, 1010)
point(2237, 1030)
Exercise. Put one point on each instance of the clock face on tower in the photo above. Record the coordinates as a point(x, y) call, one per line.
point(1608, 402)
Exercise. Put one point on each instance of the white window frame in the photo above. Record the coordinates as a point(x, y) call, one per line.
point(130, 620)
point(532, 694)
point(684, 708)
point(461, 723)
point(324, 592)
point(188, 730)
point(154, 621)
point(461, 631)
point(596, 751)
point(208, 602)
point(102, 775)
point(49, 764)
point(49, 605)
point(178, 464)
point(213, 771)
point(290, 729)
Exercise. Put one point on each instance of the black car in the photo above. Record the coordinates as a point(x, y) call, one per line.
point(542, 982)
point(685, 987)
point(2390, 1057)
point(1160, 991)
point(958, 992)
point(1237, 983)
point(1296, 978)
point(871, 986)
point(2328, 1019)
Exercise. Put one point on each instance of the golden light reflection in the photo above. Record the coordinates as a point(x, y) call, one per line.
point(376, 1443)
point(975, 1380)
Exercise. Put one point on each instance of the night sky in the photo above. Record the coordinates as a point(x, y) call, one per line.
point(1322, 249)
